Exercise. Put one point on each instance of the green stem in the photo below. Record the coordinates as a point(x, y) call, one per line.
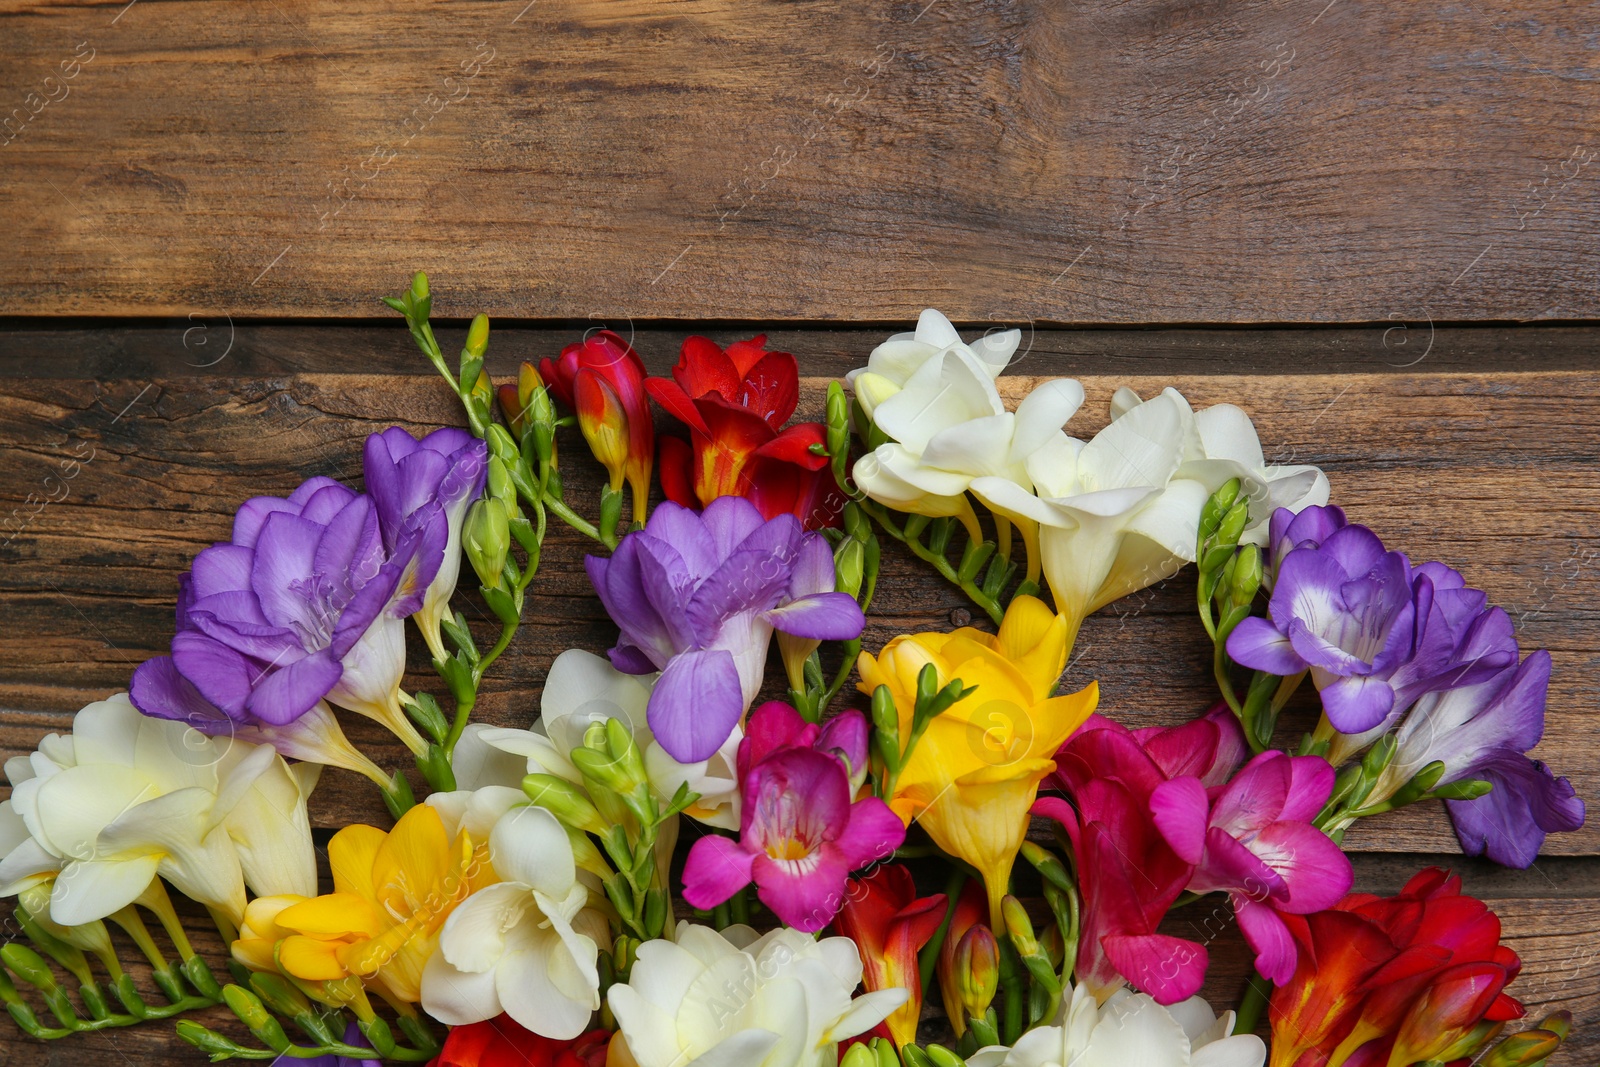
point(1257, 991)
point(937, 559)
point(1011, 980)
point(928, 958)
point(576, 521)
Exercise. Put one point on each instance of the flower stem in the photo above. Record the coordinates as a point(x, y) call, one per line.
point(879, 514)
point(928, 958)
point(1257, 991)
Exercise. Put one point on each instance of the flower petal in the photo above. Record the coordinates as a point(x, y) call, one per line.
point(715, 870)
point(695, 705)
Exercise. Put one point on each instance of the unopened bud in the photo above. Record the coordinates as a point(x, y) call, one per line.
point(1245, 579)
point(478, 337)
point(1522, 1050)
point(977, 970)
point(849, 564)
point(419, 286)
point(28, 965)
point(564, 800)
point(486, 536)
point(1019, 927)
point(501, 446)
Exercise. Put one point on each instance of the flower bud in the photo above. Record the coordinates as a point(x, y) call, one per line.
point(886, 726)
point(1245, 580)
point(859, 1056)
point(1019, 927)
point(486, 536)
point(210, 1042)
point(1522, 1050)
point(28, 965)
point(849, 566)
point(419, 286)
point(977, 970)
point(604, 424)
point(279, 994)
point(872, 390)
point(478, 337)
point(501, 446)
point(564, 800)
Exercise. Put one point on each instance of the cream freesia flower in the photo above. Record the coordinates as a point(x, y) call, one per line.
point(893, 363)
point(527, 945)
point(125, 798)
point(1130, 1028)
point(709, 998)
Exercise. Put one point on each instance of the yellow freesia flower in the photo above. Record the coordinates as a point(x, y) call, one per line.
point(976, 771)
point(392, 893)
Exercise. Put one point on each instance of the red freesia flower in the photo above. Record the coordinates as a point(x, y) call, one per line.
point(1395, 980)
point(735, 402)
point(602, 379)
point(889, 923)
point(500, 1042)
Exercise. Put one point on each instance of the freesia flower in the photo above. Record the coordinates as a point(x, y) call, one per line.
point(1115, 514)
point(1130, 1028)
point(1253, 839)
point(1288, 530)
point(1482, 731)
point(948, 426)
point(735, 402)
point(125, 799)
point(526, 945)
point(1374, 632)
point(778, 1000)
point(972, 777)
point(307, 602)
point(895, 362)
point(800, 835)
point(1129, 876)
point(1400, 979)
point(500, 1042)
point(1226, 446)
point(697, 598)
point(426, 485)
point(392, 893)
point(889, 923)
point(602, 379)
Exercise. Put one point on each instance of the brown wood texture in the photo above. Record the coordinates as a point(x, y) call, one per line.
point(1055, 162)
point(1461, 457)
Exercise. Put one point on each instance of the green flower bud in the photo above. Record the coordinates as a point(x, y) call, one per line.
point(28, 965)
point(859, 1056)
point(565, 801)
point(210, 1042)
point(977, 970)
point(1019, 927)
point(501, 446)
point(886, 726)
point(419, 286)
point(279, 994)
point(1245, 580)
point(486, 536)
point(477, 335)
point(849, 565)
point(1522, 1050)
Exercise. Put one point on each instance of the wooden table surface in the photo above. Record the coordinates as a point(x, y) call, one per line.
point(1372, 226)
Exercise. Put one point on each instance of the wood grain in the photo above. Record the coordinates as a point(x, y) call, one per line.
point(1137, 162)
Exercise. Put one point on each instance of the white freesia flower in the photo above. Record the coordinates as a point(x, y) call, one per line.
point(125, 798)
point(709, 999)
point(527, 945)
point(1228, 447)
point(582, 689)
point(948, 426)
point(1116, 514)
point(1129, 1029)
point(893, 363)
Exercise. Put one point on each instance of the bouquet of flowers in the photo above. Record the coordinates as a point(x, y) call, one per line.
point(664, 869)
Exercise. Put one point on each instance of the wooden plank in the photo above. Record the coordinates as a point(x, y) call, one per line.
point(1492, 473)
point(1058, 163)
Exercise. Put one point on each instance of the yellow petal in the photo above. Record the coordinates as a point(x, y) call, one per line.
point(1034, 638)
point(351, 854)
point(1055, 719)
point(335, 915)
point(413, 860)
point(309, 959)
point(261, 916)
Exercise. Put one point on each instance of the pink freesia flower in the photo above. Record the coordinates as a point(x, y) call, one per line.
point(800, 835)
point(1129, 874)
point(1253, 839)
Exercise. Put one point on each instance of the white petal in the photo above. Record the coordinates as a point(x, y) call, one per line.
point(270, 829)
point(1143, 448)
point(977, 446)
point(867, 1011)
point(529, 845)
point(994, 350)
point(949, 389)
point(1042, 414)
point(92, 890)
point(747, 1048)
point(1010, 499)
point(1172, 519)
point(69, 809)
point(584, 688)
point(473, 937)
point(1243, 1050)
point(1137, 1030)
point(476, 763)
point(19, 769)
point(106, 731)
point(934, 329)
point(24, 865)
point(1123, 401)
point(647, 1026)
point(547, 985)
point(457, 998)
point(538, 752)
point(1226, 432)
point(896, 360)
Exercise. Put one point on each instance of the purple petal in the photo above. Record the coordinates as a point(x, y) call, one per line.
point(1356, 704)
point(696, 704)
point(1276, 954)
point(687, 534)
point(253, 514)
point(748, 580)
point(369, 602)
point(285, 554)
point(847, 737)
point(715, 870)
point(326, 502)
point(1356, 549)
point(222, 675)
point(159, 690)
point(290, 691)
point(874, 832)
point(617, 581)
point(813, 570)
point(350, 550)
point(728, 519)
point(631, 659)
point(819, 617)
point(1180, 809)
point(1510, 822)
point(667, 584)
point(221, 569)
point(1256, 643)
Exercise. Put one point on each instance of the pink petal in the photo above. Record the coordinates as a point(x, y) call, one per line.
point(1310, 786)
point(1317, 872)
point(874, 832)
point(1180, 810)
point(715, 870)
point(805, 893)
point(1255, 797)
point(1232, 867)
point(1264, 929)
point(1170, 969)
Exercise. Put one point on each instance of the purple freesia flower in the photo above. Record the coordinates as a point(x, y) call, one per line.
point(426, 486)
point(1254, 840)
point(1482, 731)
point(697, 598)
point(1288, 530)
point(305, 603)
point(800, 835)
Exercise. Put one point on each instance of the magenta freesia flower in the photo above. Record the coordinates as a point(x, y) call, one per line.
point(800, 834)
point(697, 598)
point(1253, 840)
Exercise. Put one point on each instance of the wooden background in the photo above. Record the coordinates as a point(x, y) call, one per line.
point(1370, 225)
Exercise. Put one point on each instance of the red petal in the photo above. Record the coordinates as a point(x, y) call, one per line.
point(670, 395)
point(677, 471)
point(704, 369)
point(723, 452)
point(746, 354)
point(794, 446)
point(772, 388)
point(558, 374)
